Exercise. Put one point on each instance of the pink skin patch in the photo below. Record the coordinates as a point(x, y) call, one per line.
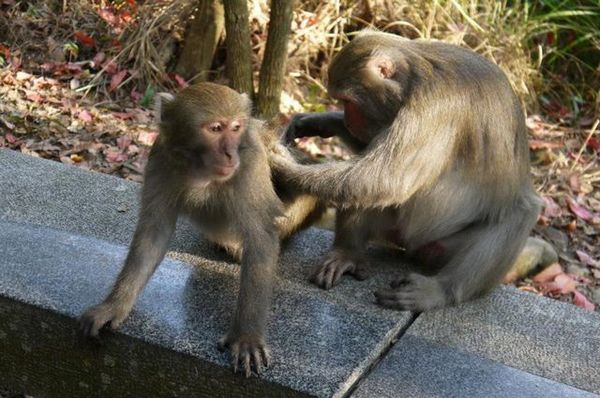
point(430, 252)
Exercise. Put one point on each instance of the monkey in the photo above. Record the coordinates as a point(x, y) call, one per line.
point(209, 163)
point(441, 168)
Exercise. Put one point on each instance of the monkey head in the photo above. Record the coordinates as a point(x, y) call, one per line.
point(370, 77)
point(203, 126)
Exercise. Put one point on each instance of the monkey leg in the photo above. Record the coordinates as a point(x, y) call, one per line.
point(299, 213)
point(479, 257)
point(352, 233)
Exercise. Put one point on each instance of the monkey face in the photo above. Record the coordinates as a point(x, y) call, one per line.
point(221, 140)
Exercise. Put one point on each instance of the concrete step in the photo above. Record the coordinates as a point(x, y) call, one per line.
point(507, 344)
point(63, 236)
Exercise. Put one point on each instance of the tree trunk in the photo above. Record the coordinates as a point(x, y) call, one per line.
point(273, 66)
point(201, 39)
point(239, 51)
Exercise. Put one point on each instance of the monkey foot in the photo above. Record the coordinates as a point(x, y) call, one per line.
point(414, 292)
point(247, 353)
point(336, 264)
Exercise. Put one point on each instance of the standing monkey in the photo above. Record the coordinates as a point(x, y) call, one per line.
point(210, 164)
point(442, 167)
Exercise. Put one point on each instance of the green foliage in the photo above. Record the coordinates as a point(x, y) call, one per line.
point(570, 31)
point(148, 96)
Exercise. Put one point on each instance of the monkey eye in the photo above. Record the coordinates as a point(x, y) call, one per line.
point(236, 126)
point(215, 127)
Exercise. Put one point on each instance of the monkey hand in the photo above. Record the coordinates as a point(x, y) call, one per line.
point(414, 292)
point(337, 263)
point(249, 351)
point(305, 125)
point(280, 159)
point(106, 313)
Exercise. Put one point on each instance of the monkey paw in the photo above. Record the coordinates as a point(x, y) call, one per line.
point(414, 292)
point(337, 263)
point(248, 352)
point(96, 317)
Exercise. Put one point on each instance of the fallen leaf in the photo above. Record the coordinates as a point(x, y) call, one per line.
point(116, 157)
point(11, 139)
point(85, 116)
point(581, 301)
point(123, 142)
point(587, 259)
point(35, 97)
point(135, 95)
point(562, 284)
point(548, 274)
point(579, 210)
point(551, 208)
point(98, 59)
point(181, 81)
point(21, 76)
point(110, 67)
point(117, 79)
point(123, 115)
point(74, 84)
point(84, 39)
point(575, 183)
point(147, 137)
point(539, 144)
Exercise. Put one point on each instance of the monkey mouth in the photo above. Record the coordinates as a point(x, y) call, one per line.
point(224, 171)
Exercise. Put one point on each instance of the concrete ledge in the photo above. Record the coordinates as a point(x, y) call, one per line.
point(63, 237)
point(418, 368)
point(506, 344)
point(538, 335)
point(62, 234)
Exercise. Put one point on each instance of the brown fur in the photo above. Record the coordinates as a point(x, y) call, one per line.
point(240, 211)
point(444, 164)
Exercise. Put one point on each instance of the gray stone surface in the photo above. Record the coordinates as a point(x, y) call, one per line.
point(62, 241)
point(63, 237)
point(415, 367)
point(540, 336)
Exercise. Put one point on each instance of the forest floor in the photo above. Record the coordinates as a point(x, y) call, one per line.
point(44, 114)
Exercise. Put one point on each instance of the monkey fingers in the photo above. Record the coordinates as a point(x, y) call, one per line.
point(336, 264)
point(96, 317)
point(414, 292)
point(250, 355)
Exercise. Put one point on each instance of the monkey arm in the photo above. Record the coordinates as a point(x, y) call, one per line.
point(148, 247)
point(408, 156)
point(246, 337)
point(259, 260)
point(326, 124)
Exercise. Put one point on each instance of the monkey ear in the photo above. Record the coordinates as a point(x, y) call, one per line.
point(382, 66)
point(160, 100)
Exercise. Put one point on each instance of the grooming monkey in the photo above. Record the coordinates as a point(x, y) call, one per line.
point(210, 164)
point(442, 168)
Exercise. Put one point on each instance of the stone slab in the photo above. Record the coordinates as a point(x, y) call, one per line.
point(521, 330)
point(63, 238)
point(416, 367)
